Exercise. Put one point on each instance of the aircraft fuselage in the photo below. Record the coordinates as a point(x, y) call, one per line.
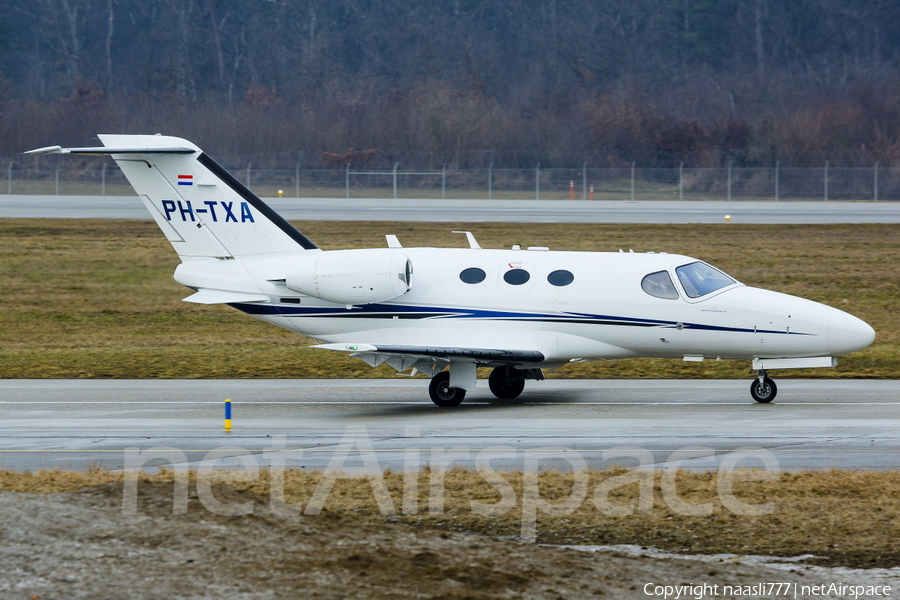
point(602, 313)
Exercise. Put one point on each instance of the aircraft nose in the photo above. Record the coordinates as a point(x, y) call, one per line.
point(848, 334)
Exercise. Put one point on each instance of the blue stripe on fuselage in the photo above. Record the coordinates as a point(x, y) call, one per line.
point(389, 311)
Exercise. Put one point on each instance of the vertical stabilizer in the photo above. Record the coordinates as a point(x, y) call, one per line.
point(200, 207)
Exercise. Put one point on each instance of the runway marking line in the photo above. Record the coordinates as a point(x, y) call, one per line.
point(387, 450)
point(476, 402)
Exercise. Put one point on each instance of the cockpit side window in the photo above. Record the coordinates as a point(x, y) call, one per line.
point(660, 285)
point(699, 279)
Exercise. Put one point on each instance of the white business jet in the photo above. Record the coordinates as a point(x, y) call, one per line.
point(518, 311)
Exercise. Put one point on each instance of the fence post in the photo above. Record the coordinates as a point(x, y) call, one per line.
point(681, 181)
point(348, 180)
point(537, 182)
point(729, 181)
point(491, 181)
point(876, 181)
point(395, 180)
point(9, 179)
point(826, 181)
point(444, 182)
point(248, 174)
point(297, 179)
point(103, 180)
point(584, 181)
point(57, 180)
point(777, 189)
point(632, 181)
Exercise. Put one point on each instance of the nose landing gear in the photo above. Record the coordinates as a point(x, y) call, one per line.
point(763, 389)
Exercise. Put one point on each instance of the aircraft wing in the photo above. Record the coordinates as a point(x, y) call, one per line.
point(427, 358)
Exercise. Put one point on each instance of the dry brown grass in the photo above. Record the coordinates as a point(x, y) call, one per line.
point(845, 518)
point(95, 298)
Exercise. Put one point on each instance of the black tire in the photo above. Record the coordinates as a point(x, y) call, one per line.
point(505, 383)
point(765, 392)
point(442, 394)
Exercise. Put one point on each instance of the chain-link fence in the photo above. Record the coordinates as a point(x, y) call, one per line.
point(727, 183)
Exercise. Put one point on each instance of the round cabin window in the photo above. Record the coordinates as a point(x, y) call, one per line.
point(516, 276)
point(472, 275)
point(560, 278)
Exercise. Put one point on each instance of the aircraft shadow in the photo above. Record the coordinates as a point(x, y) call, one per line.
point(472, 404)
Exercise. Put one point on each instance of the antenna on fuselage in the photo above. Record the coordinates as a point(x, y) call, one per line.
point(473, 243)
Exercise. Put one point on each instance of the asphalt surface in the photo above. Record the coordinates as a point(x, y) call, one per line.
point(813, 424)
point(499, 211)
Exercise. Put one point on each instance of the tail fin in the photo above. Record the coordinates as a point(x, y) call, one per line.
point(200, 207)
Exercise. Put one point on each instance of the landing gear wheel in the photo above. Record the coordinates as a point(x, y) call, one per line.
point(506, 383)
point(763, 392)
point(442, 394)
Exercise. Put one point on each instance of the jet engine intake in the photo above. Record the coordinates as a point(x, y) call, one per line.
point(352, 276)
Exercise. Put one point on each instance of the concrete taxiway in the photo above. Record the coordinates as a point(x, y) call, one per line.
point(813, 424)
point(485, 211)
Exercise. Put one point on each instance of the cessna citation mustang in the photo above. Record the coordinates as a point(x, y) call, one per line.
point(518, 311)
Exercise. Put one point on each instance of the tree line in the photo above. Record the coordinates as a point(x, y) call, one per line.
point(462, 82)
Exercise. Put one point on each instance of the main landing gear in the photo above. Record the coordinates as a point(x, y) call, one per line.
point(763, 389)
point(442, 394)
point(505, 382)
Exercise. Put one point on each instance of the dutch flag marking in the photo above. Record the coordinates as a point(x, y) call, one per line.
point(185, 180)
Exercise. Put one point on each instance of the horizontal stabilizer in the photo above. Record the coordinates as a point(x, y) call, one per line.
point(221, 297)
point(103, 151)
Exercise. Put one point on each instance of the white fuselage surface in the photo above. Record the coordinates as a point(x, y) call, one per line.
point(602, 313)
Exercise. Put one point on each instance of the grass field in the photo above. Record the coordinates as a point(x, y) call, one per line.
point(844, 518)
point(95, 298)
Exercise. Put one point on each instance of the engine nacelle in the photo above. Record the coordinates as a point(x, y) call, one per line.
point(352, 276)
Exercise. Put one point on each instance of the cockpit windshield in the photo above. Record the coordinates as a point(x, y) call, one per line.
point(699, 279)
